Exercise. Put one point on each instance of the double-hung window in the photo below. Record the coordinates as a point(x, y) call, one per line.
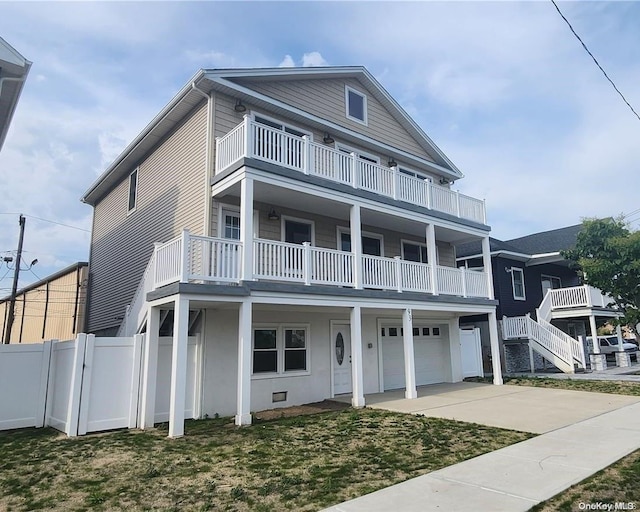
point(280, 350)
point(517, 283)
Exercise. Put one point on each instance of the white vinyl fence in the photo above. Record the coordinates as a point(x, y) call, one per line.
point(88, 384)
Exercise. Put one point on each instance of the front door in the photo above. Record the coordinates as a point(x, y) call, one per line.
point(341, 354)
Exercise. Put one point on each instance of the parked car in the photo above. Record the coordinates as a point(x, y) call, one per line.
point(609, 344)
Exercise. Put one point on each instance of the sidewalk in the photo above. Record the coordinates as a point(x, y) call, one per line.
point(517, 477)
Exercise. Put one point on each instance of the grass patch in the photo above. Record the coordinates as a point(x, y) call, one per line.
point(297, 463)
point(596, 386)
point(618, 483)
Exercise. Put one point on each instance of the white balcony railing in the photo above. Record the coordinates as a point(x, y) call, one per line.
point(255, 140)
point(584, 296)
point(189, 258)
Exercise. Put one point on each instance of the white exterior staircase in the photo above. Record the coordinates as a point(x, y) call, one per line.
point(546, 339)
point(135, 315)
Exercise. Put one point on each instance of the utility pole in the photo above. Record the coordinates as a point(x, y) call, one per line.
point(14, 289)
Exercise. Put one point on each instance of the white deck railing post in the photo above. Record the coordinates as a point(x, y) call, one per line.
point(463, 272)
point(306, 154)
point(587, 294)
point(429, 192)
point(354, 170)
point(484, 211)
point(306, 263)
point(247, 135)
point(396, 182)
point(397, 262)
point(184, 257)
point(458, 203)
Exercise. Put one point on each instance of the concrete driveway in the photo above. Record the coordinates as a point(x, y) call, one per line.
point(528, 409)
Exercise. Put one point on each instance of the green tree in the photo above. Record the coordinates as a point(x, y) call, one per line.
point(607, 256)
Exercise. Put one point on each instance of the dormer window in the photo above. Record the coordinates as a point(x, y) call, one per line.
point(356, 103)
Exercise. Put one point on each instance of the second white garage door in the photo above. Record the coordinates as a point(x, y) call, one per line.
point(432, 359)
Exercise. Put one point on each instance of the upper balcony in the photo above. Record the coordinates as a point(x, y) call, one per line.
point(257, 141)
point(574, 301)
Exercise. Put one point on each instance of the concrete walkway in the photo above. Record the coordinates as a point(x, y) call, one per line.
point(519, 476)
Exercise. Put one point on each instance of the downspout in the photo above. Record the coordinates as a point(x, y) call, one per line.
point(208, 157)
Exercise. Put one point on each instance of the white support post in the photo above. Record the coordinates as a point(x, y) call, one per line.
point(397, 263)
point(409, 355)
point(432, 256)
point(495, 349)
point(305, 154)
point(243, 414)
point(356, 245)
point(73, 411)
point(150, 370)
point(620, 339)
point(354, 170)
point(486, 263)
point(246, 227)
point(532, 363)
point(587, 294)
point(455, 349)
point(306, 263)
point(156, 246)
point(135, 380)
point(429, 194)
point(178, 392)
point(484, 211)
point(185, 263)
point(357, 399)
point(623, 359)
point(594, 334)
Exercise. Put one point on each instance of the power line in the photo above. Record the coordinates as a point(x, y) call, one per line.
point(595, 60)
point(50, 221)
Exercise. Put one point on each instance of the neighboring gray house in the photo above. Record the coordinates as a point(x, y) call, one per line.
point(531, 277)
point(304, 230)
point(14, 69)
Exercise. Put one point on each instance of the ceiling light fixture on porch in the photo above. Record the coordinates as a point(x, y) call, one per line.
point(273, 215)
point(328, 139)
point(392, 162)
point(239, 106)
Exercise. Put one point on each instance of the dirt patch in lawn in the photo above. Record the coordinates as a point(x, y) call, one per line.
point(617, 387)
point(301, 410)
point(300, 463)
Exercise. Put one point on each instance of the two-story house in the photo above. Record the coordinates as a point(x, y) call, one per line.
point(531, 277)
point(300, 227)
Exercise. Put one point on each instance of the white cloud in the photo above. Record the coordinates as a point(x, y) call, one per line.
point(313, 59)
point(287, 62)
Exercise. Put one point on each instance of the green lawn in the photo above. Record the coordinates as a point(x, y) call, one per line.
point(597, 386)
point(297, 463)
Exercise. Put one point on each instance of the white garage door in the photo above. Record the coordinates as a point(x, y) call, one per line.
point(431, 350)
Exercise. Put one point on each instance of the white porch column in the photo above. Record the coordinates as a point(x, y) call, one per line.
point(246, 227)
point(598, 360)
point(177, 397)
point(356, 245)
point(486, 263)
point(620, 339)
point(432, 256)
point(150, 371)
point(623, 359)
point(455, 350)
point(356, 356)
point(409, 355)
point(594, 334)
point(495, 349)
point(243, 415)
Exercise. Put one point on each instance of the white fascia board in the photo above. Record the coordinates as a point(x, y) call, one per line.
point(335, 128)
point(348, 199)
point(514, 255)
point(542, 259)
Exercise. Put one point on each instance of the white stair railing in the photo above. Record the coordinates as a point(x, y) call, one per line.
point(575, 346)
point(136, 312)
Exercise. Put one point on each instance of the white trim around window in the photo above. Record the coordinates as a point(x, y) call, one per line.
point(347, 103)
point(300, 220)
point(281, 331)
point(369, 234)
point(133, 180)
point(518, 271)
point(360, 154)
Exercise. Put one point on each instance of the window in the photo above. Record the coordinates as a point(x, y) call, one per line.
point(280, 350)
point(281, 150)
point(517, 282)
point(356, 105)
point(231, 225)
point(133, 190)
point(414, 174)
point(371, 244)
point(265, 352)
point(297, 231)
point(414, 252)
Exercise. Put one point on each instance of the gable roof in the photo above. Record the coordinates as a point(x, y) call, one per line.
point(14, 69)
point(227, 81)
point(546, 243)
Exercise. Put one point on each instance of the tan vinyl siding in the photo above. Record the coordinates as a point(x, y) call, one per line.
point(171, 197)
point(325, 98)
point(50, 310)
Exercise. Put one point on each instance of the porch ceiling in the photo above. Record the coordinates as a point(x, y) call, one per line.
point(280, 197)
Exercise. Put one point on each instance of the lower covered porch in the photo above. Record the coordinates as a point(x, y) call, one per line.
point(265, 351)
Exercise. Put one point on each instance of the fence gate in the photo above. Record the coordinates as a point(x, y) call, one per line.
point(471, 353)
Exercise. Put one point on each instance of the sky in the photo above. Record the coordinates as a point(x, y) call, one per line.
point(503, 88)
